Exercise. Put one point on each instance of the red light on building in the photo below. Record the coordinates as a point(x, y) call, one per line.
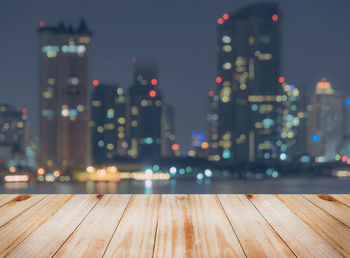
point(211, 93)
point(344, 158)
point(281, 79)
point(24, 111)
point(95, 83)
point(154, 82)
point(134, 60)
point(218, 79)
point(220, 21)
point(152, 93)
point(275, 17)
point(41, 23)
point(175, 147)
point(225, 16)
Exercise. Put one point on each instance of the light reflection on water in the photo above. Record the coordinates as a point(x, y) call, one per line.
point(173, 186)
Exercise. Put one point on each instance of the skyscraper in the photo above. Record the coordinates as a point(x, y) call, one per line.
point(325, 122)
point(212, 118)
point(14, 128)
point(108, 123)
point(248, 75)
point(14, 136)
point(64, 65)
point(168, 135)
point(145, 107)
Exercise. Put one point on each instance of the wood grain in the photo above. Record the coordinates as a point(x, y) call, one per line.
point(136, 231)
point(174, 226)
point(47, 239)
point(332, 206)
point(325, 225)
point(257, 237)
point(17, 205)
point(174, 233)
point(300, 238)
point(6, 198)
point(102, 220)
point(344, 198)
point(213, 233)
point(12, 233)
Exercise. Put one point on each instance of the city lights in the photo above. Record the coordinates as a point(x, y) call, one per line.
point(281, 79)
point(250, 123)
point(200, 176)
point(173, 170)
point(208, 172)
point(315, 138)
point(175, 147)
point(95, 83)
point(225, 16)
point(152, 93)
point(154, 82)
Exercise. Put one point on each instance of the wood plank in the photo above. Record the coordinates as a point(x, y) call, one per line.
point(135, 234)
point(47, 239)
point(17, 205)
point(344, 198)
point(12, 233)
point(257, 237)
point(324, 224)
point(99, 226)
point(331, 205)
point(175, 233)
point(214, 236)
point(300, 237)
point(5, 198)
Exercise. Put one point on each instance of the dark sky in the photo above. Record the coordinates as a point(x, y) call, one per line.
point(180, 35)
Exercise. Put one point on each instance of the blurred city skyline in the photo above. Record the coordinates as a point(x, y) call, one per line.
point(181, 37)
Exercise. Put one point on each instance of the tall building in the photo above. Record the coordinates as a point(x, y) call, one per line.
point(14, 136)
point(325, 122)
point(145, 109)
point(248, 75)
point(212, 117)
point(168, 135)
point(14, 127)
point(64, 66)
point(293, 123)
point(108, 123)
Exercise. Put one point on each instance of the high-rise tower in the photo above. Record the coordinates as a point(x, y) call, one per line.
point(145, 106)
point(248, 75)
point(64, 65)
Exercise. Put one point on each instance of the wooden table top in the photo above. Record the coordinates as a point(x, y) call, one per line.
point(175, 225)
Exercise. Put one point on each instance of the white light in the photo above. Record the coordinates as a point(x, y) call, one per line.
point(208, 172)
point(148, 183)
point(90, 169)
point(173, 170)
point(200, 176)
point(148, 173)
point(283, 156)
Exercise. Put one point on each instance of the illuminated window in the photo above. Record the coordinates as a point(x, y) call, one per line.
point(134, 110)
point(227, 48)
point(121, 120)
point(227, 66)
point(226, 39)
point(51, 81)
point(134, 123)
point(96, 103)
point(110, 113)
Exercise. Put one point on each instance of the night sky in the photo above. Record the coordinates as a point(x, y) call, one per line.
point(181, 36)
